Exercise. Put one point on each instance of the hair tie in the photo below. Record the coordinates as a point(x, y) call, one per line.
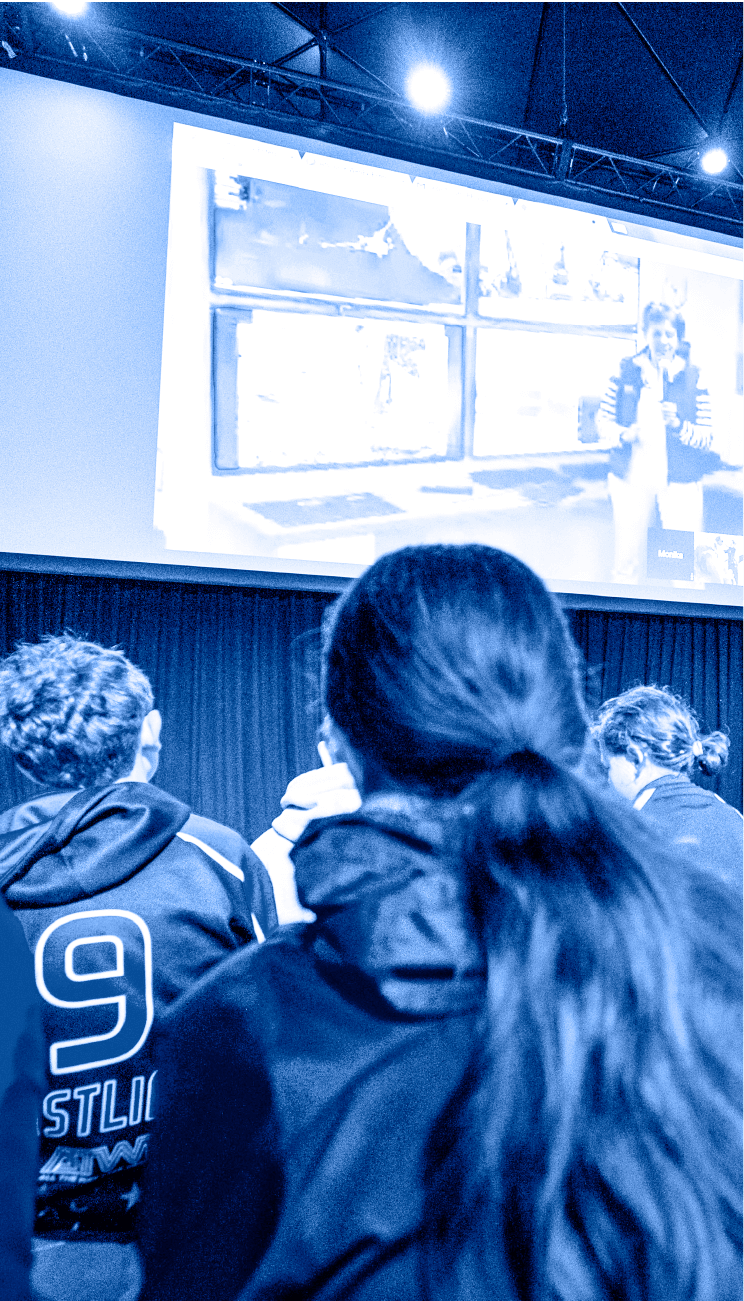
point(697, 748)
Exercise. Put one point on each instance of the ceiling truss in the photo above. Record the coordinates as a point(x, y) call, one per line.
point(36, 40)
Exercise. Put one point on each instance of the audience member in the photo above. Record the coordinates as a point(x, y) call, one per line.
point(651, 742)
point(502, 1060)
point(318, 793)
point(21, 1091)
point(126, 899)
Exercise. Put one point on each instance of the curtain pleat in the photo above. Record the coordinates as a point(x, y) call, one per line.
point(235, 672)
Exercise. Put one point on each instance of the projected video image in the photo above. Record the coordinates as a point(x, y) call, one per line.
point(381, 387)
point(356, 359)
point(269, 236)
point(563, 271)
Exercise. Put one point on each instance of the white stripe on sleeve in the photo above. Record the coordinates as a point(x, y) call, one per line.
point(232, 868)
point(642, 800)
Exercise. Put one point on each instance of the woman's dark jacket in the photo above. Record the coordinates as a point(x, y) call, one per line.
point(308, 1074)
point(697, 821)
point(685, 464)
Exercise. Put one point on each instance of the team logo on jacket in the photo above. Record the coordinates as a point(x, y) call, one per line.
point(81, 1165)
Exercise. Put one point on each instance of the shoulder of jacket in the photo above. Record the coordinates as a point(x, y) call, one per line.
point(42, 808)
point(373, 823)
point(635, 361)
point(221, 844)
point(696, 795)
point(726, 805)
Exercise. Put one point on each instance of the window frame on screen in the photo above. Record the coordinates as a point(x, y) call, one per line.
point(230, 308)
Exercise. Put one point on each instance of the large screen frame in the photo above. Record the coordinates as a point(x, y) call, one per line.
point(95, 107)
point(257, 279)
point(85, 567)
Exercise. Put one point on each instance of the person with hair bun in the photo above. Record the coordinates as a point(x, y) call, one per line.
point(651, 742)
point(501, 1063)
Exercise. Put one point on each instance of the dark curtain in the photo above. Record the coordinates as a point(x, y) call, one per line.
point(235, 676)
point(233, 670)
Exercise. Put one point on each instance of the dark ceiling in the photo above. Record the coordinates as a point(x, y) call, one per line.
point(505, 61)
point(653, 81)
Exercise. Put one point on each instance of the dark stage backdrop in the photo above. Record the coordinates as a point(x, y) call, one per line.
point(233, 670)
point(235, 675)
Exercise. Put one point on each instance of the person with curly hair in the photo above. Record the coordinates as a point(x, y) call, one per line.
point(501, 1061)
point(72, 713)
point(651, 743)
point(126, 898)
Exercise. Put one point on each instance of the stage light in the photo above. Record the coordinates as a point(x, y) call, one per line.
point(73, 8)
point(714, 161)
point(428, 89)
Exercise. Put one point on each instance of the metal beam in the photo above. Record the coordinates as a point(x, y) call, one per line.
point(535, 63)
point(288, 13)
point(660, 64)
point(673, 81)
point(730, 95)
point(321, 37)
point(245, 90)
point(376, 11)
point(294, 54)
point(323, 50)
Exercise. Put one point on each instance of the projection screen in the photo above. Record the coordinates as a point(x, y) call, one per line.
point(262, 353)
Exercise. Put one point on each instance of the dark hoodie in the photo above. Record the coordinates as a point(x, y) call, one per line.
point(697, 821)
point(126, 899)
point(21, 1091)
point(310, 1072)
point(305, 1079)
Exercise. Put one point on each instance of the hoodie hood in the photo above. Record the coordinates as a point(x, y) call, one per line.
point(58, 849)
point(386, 887)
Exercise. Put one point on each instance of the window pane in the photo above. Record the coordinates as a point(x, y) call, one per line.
point(552, 265)
point(279, 237)
point(326, 390)
point(531, 389)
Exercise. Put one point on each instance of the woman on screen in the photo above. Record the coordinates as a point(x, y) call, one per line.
point(652, 743)
point(657, 413)
point(496, 1066)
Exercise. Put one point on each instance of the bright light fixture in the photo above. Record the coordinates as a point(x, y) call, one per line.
point(74, 8)
point(428, 89)
point(714, 161)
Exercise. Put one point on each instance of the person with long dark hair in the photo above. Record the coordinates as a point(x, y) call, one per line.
point(652, 743)
point(501, 1063)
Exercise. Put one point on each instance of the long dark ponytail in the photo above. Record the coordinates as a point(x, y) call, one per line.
point(599, 1126)
point(592, 1150)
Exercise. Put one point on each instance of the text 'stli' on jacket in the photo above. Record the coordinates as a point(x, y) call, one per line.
point(126, 899)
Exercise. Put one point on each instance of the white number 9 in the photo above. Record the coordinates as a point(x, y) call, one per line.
point(116, 949)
